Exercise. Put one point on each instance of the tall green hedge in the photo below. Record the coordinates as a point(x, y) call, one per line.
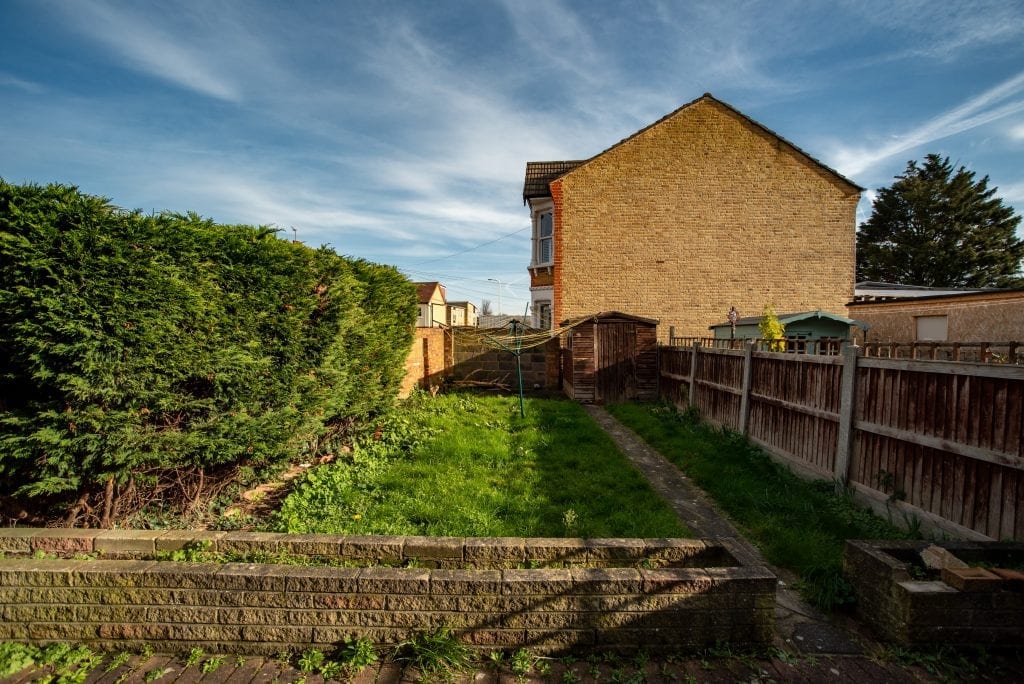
point(135, 345)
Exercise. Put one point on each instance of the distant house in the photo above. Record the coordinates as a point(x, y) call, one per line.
point(433, 310)
point(703, 210)
point(462, 314)
point(908, 313)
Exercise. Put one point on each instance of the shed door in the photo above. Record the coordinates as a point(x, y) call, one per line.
point(615, 352)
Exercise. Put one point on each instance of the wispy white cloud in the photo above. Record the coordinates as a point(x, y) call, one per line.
point(1017, 132)
point(150, 49)
point(450, 211)
point(558, 38)
point(943, 30)
point(250, 198)
point(10, 81)
point(982, 109)
point(724, 46)
point(204, 49)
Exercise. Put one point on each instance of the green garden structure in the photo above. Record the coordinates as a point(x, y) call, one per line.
point(807, 331)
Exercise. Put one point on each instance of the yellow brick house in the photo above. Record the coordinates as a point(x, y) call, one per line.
point(703, 210)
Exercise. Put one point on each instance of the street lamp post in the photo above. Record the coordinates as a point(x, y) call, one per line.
point(495, 280)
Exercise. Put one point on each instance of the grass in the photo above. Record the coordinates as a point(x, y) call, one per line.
point(797, 524)
point(469, 465)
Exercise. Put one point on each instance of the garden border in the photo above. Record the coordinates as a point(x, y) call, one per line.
point(477, 586)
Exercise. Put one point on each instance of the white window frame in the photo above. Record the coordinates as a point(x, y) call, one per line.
point(542, 305)
point(539, 296)
point(541, 209)
point(935, 328)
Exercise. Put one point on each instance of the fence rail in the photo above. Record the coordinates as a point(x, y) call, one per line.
point(829, 346)
point(979, 352)
point(942, 441)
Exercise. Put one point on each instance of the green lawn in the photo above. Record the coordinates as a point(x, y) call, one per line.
point(797, 524)
point(469, 465)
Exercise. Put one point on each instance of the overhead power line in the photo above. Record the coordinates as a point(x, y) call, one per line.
point(470, 249)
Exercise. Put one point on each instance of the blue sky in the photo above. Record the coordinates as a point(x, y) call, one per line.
point(399, 131)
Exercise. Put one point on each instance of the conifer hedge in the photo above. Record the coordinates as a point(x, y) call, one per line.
point(134, 348)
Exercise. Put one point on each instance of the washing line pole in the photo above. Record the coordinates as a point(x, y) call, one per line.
point(516, 350)
point(518, 332)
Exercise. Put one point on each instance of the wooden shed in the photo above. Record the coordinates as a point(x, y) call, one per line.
point(610, 356)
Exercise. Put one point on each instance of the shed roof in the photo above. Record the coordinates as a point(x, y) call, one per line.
point(545, 172)
point(786, 319)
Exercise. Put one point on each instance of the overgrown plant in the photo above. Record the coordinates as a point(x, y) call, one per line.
point(797, 524)
point(148, 358)
point(357, 654)
point(772, 329)
point(436, 654)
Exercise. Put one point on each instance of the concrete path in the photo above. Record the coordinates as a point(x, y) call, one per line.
point(798, 625)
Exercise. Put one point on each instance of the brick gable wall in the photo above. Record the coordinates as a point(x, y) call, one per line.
point(690, 216)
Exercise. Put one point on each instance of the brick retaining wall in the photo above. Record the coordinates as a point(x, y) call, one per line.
point(924, 611)
point(659, 598)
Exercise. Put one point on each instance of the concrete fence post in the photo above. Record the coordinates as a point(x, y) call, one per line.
point(692, 399)
point(847, 396)
point(748, 359)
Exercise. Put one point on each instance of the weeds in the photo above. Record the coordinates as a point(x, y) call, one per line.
point(311, 660)
point(468, 465)
point(194, 656)
point(16, 657)
point(357, 654)
point(118, 660)
point(946, 663)
point(436, 654)
point(211, 665)
point(797, 524)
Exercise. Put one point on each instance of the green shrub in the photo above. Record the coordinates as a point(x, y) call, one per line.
point(139, 350)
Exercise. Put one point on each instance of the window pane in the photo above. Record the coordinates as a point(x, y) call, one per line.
point(546, 225)
point(931, 328)
point(545, 250)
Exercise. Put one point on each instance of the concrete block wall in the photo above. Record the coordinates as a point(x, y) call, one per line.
point(592, 594)
point(986, 317)
point(700, 212)
point(474, 360)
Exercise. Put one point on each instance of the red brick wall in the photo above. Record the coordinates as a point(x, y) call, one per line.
point(426, 363)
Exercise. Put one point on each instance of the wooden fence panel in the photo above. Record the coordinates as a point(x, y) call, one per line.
point(945, 440)
point(942, 441)
point(719, 378)
point(674, 368)
point(794, 408)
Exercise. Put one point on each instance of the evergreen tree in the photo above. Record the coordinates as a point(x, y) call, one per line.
point(940, 228)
